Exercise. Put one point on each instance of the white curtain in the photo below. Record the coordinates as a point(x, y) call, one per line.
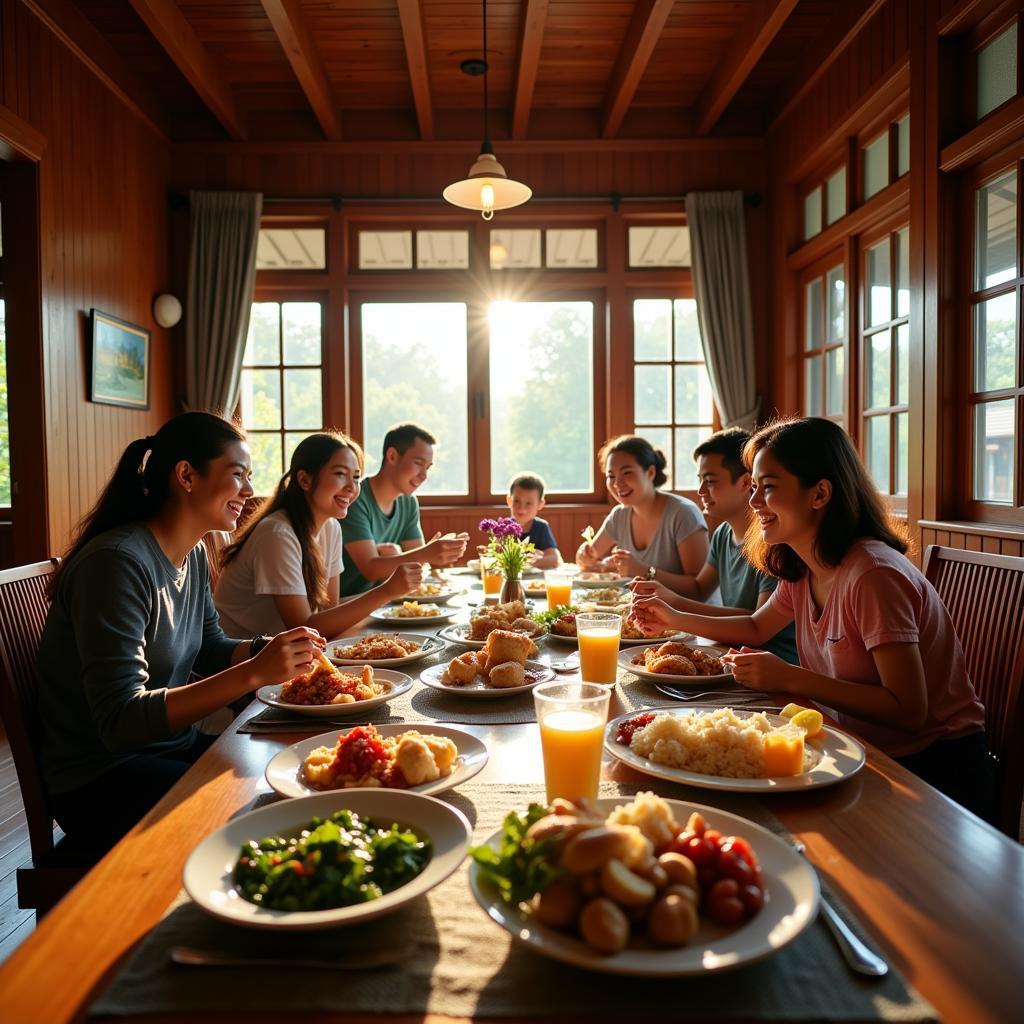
point(721, 283)
point(221, 279)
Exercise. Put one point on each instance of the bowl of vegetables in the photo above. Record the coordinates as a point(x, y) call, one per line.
point(326, 860)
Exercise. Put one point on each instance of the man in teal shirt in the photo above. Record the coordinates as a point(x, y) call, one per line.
point(382, 528)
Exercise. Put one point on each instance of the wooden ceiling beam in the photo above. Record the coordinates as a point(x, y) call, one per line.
point(84, 40)
point(179, 40)
point(410, 14)
point(649, 19)
point(755, 35)
point(531, 36)
point(289, 24)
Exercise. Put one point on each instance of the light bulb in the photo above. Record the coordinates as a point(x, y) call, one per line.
point(487, 200)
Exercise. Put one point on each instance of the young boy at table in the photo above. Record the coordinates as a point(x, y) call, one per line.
point(877, 646)
point(724, 492)
point(525, 499)
point(382, 530)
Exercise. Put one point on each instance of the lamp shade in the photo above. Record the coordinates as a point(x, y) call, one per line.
point(166, 310)
point(487, 188)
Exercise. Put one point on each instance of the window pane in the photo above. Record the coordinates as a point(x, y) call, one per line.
point(261, 345)
point(812, 213)
point(812, 315)
point(414, 370)
point(514, 248)
point(442, 250)
point(903, 364)
point(902, 452)
point(903, 272)
point(903, 146)
point(876, 165)
point(291, 249)
point(652, 329)
point(995, 346)
point(303, 399)
point(659, 247)
point(572, 247)
point(651, 390)
point(301, 333)
point(836, 305)
point(261, 399)
point(385, 250)
point(542, 400)
point(878, 370)
point(5, 447)
point(996, 231)
point(688, 345)
point(835, 196)
point(812, 386)
point(878, 451)
point(834, 383)
point(687, 438)
point(291, 442)
point(267, 466)
point(661, 439)
point(879, 304)
point(997, 71)
point(693, 395)
point(993, 452)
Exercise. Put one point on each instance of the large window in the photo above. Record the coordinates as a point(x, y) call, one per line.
point(824, 342)
point(672, 401)
point(282, 384)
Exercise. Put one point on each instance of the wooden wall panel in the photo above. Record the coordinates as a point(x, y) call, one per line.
point(103, 206)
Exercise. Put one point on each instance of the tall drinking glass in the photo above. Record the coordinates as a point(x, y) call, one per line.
point(491, 576)
point(572, 718)
point(598, 634)
point(558, 587)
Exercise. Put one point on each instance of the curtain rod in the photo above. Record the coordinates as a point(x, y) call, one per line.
point(179, 200)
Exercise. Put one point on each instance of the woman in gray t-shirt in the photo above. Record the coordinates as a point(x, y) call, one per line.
point(649, 529)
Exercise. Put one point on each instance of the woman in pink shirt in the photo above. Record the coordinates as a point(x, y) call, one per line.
point(877, 647)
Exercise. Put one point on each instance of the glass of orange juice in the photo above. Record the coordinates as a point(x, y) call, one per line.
point(558, 586)
point(598, 634)
point(572, 718)
point(491, 576)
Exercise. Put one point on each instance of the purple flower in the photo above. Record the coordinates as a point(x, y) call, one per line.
point(501, 528)
point(488, 525)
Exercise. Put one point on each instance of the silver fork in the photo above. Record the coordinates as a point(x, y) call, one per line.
point(859, 957)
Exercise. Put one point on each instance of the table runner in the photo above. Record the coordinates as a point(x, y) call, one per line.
point(465, 965)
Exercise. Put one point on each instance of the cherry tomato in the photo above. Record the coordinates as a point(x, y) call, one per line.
point(712, 835)
point(752, 898)
point(700, 851)
point(707, 876)
point(724, 887)
point(732, 865)
point(727, 909)
point(742, 847)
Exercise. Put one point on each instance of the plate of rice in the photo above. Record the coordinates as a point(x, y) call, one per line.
point(733, 750)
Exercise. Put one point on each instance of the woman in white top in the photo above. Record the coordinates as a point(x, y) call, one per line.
point(283, 570)
point(651, 533)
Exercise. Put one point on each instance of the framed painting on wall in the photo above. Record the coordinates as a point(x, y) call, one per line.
point(120, 362)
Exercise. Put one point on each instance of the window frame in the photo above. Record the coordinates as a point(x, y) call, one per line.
point(985, 32)
point(819, 270)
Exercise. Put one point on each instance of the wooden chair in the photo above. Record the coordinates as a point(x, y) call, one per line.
point(985, 597)
point(214, 543)
point(23, 608)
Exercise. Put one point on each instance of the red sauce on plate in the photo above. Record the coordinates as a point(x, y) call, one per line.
point(626, 729)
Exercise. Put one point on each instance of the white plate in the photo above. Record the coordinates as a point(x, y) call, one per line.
point(589, 584)
point(536, 588)
point(397, 683)
point(208, 870)
point(284, 770)
point(626, 661)
point(792, 901)
point(455, 633)
point(429, 645)
point(624, 642)
point(479, 689)
point(388, 615)
point(442, 598)
point(840, 757)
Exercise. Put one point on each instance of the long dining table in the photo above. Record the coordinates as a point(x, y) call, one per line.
point(938, 891)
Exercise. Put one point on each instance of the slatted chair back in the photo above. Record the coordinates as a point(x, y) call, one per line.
point(214, 543)
point(984, 594)
point(23, 608)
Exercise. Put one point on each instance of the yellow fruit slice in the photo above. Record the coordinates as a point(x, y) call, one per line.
point(810, 721)
point(791, 709)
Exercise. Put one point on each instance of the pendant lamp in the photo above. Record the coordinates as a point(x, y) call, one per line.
point(487, 187)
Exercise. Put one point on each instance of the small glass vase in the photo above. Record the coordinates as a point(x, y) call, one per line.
point(511, 590)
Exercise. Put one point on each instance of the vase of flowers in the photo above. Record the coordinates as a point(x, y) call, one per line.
point(507, 550)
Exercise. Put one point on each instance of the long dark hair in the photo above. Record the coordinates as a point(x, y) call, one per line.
point(310, 456)
point(142, 481)
point(817, 449)
point(641, 449)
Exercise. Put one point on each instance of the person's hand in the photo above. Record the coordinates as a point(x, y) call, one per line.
point(388, 550)
point(758, 670)
point(534, 556)
point(643, 587)
point(625, 564)
point(446, 550)
point(652, 615)
point(289, 654)
point(586, 558)
point(408, 576)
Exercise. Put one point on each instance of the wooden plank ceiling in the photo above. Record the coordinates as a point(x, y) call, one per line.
point(305, 70)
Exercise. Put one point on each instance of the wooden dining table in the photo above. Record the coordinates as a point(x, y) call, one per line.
point(940, 893)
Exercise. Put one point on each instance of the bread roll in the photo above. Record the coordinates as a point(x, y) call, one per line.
point(504, 645)
point(507, 674)
point(463, 669)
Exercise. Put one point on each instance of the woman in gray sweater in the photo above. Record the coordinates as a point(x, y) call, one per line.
point(132, 623)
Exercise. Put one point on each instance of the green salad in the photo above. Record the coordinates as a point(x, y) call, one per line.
point(334, 862)
point(545, 619)
point(519, 867)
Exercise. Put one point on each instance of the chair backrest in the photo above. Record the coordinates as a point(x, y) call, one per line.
point(23, 608)
point(984, 595)
point(214, 543)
